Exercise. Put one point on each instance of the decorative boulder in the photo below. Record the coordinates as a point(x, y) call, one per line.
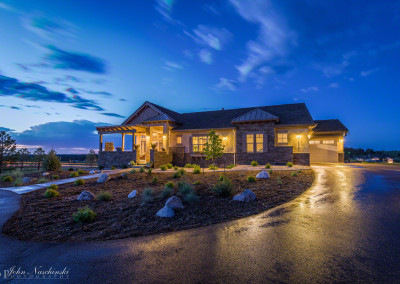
point(166, 212)
point(246, 196)
point(92, 172)
point(85, 196)
point(26, 179)
point(103, 178)
point(174, 202)
point(45, 174)
point(262, 174)
point(132, 194)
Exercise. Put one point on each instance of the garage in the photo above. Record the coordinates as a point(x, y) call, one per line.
point(323, 151)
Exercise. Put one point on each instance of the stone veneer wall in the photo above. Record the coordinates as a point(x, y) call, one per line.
point(107, 159)
point(302, 159)
point(178, 155)
point(341, 157)
point(159, 158)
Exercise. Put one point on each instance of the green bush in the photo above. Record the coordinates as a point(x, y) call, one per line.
point(299, 171)
point(74, 174)
point(191, 197)
point(50, 193)
point(254, 163)
point(221, 177)
point(132, 163)
point(55, 177)
point(212, 167)
point(182, 171)
point(17, 174)
point(53, 186)
point(223, 187)
point(197, 182)
point(149, 171)
point(84, 215)
point(231, 166)
point(279, 180)
point(132, 171)
point(294, 174)
point(188, 166)
point(184, 188)
point(169, 166)
point(18, 182)
point(176, 168)
point(289, 164)
point(113, 167)
point(104, 196)
point(79, 181)
point(166, 192)
point(41, 180)
point(71, 169)
point(81, 172)
point(163, 168)
point(147, 195)
point(196, 170)
point(7, 178)
point(141, 170)
point(51, 162)
point(154, 180)
point(271, 171)
point(170, 184)
point(268, 166)
point(176, 174)
point(251, 179)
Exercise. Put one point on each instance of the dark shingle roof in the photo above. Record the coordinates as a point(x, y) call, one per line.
point(330, 125)
point(174, 115)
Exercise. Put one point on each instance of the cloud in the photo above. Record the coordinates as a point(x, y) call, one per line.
point(274, 38)
point(310, 89)
point(61, 134)
point(333, 85)
point(11, 107)
point(47, 27)
point(368, 72)
point(6, 129)
point(205, 56)
point(225, 85)
point(72, 91)
point(172, 66)
point(214, 38)
point(35, 92)
point(31, 106)
point(112, 114)
point(68, 78)
point(101, 93)
point(7, 7)
point(60, 59)
point(165, 8)
point(23, 67)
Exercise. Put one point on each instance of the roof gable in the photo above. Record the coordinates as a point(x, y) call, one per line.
point(149, 112)
point(330, 125)
point(255, 115)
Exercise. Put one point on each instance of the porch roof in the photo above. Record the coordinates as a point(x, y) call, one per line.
point(119, 128)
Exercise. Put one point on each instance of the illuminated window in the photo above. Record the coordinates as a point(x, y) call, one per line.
point(259, 142)
point(250, 142)
point(314, 142)
point(328, 142)
point(282, 138)
point(199, 143)
point(179, 140)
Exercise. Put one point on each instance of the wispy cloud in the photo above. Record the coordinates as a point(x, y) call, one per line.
point(330, 70)
point(310, 89)
point(112, 114)
point(11, 107)
point(205, 56)
point(6, 129)
point(333, 85)
point(225, 84)
point(368, 72)
point(172, 66)
point(165, 8)
point(214, 38)
point(7, 7)
point(47, 27)
point(101, 93)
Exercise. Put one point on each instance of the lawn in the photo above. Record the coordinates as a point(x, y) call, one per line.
point(50, 220)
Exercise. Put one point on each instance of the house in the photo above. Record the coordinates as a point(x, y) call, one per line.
point(267, 134)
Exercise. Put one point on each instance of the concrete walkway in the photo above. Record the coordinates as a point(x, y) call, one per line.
point(29, 188)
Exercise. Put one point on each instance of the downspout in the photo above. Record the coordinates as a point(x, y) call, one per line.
point(234, 146)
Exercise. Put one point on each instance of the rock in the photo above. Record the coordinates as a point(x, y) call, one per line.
point(26, 179)
point(132, 194)
point(166, 212)
point(123, 175)
point(246, 196)
point(262, 174)
point(92, 172)
point(34, 179)
point(85, 196)
point(45, 174)
point(174, 202)
point(103, 178)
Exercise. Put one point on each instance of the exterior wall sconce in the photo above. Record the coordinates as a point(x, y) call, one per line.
point(298, 142)
point(164, 137)
point(341, 140)
point(309, 136)
point(225, 138)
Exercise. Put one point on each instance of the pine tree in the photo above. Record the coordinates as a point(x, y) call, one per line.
point(52, 162)
point(23, 156)
point(7, 149)
point(39, 156)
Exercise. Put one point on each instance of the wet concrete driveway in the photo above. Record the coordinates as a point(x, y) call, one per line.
point(345, 228)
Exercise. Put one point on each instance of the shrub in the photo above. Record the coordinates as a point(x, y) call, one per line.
point(74, 174)
point(7, 178)
point(84, 215)
point(176, 168)
point(184, 188)
point(132, 163)
point(71, 169)
point(80, 181)
point(166, 192)
point(147, 195)
point(294, 174)
point(182, 171)
point(231, 166)
point(154, 180)
point(141, 170)
point(176, 174)
point(213, 167)
point(163, 168)
point(170, 184)
point(18, 182)
point(81, 172)
point(254, 163)
point(222, 177)
point(113, 167)
point(149, 171)
point(299, 171)
point(268, 166)
point(53, 186)
point(55, 177)
point(197, 182)
point(251, 179)
point(104, 196)
point(41, 180)
point(279, 180)
point(132, 171)
point(52, 162)
point(196, 170)
point(169, 166)
point(188, 166)
point(191, 197)
point(18, 174)
point(223, 187)
point(50, 193)
point(271, 171)
point(289, 164)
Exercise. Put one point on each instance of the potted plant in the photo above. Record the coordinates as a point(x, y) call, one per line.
point(136, 146)
point(153, 146)
point(163, 149)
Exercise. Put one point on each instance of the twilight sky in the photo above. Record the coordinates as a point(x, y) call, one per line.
point(67, 66)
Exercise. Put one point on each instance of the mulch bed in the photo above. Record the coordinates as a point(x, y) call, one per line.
point(50, 220)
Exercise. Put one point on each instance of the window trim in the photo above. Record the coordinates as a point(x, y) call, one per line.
point(282, 143)
point(179, 137)
point(254, 143)
point(197, 136)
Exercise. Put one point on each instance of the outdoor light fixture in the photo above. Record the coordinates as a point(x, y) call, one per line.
point(225, 138)
point(298, 142)
point(309, 136)
point(164, 136)
point(341, 140)
point(298, 136)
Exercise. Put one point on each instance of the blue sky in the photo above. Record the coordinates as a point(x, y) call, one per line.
point(67, 66)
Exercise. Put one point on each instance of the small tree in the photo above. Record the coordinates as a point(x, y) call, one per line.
point(52, 162)
point(91, 158)
point(23, 156)
point(213, 147)
point(39, 156)
point(7, 149)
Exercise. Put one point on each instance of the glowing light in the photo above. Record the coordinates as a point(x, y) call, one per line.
point(309, 136)
point(298, 136)
point(341, 140)
point(164, 137)
point(225, 138)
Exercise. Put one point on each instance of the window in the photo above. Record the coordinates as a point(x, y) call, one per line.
point(282, 138)
point(179, 140)
point(314, 142)
point(328, 142)
point(198, 143)
point(250, 142)
point(259, 143)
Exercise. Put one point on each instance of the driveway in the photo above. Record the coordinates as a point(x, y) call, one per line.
point(345, 228)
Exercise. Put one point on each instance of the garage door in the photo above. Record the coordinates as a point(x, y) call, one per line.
point(323, 151)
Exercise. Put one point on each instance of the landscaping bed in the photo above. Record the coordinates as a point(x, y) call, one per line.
point(50, 220)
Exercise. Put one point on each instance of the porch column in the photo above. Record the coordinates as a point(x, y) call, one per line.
point(123, 142)
point(166, 137)
point(100, 142)
point(133, 141)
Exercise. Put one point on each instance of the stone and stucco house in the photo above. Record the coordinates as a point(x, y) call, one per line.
point(268, 134)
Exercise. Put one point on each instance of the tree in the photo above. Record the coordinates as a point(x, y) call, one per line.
point(39, 156)
point(23, 156)
point(213, 147)
point(7, 149)
point(52, 162)
point(91, 158)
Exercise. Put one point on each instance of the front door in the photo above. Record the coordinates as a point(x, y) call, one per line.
point(142, 148)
